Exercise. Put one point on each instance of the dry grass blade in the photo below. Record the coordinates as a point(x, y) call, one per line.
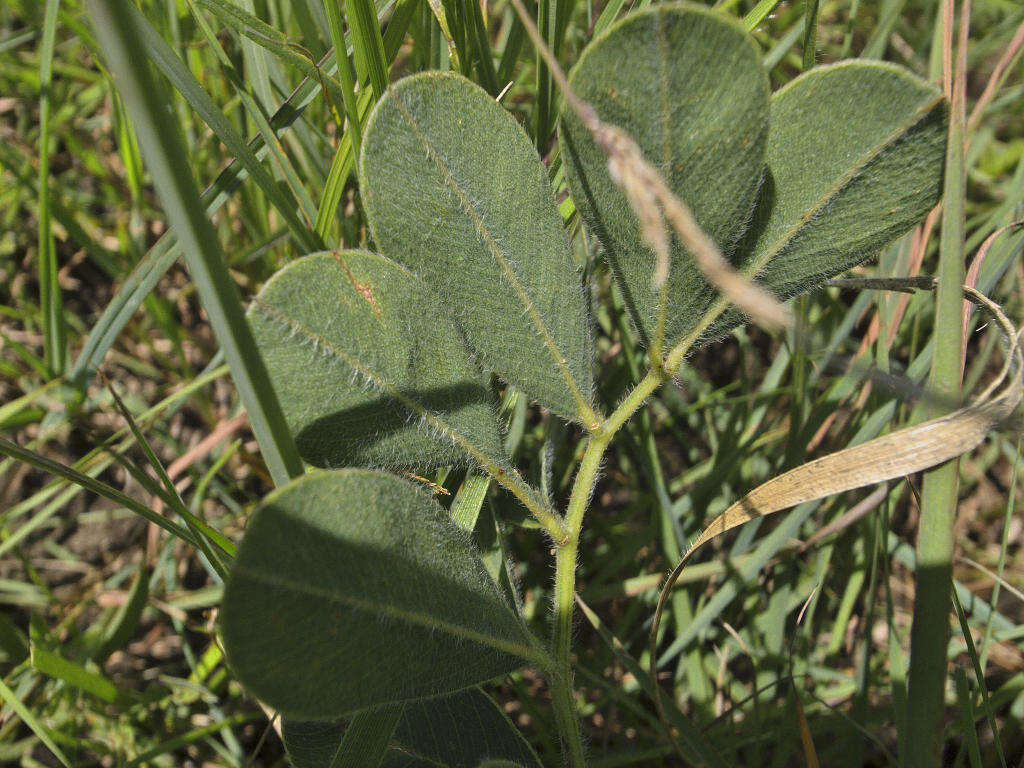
point(855, 513)
point(806, 740)
point(1005, 62)
point(891, 456)
point(654, 204)
point(651, 199)
point(971, 279)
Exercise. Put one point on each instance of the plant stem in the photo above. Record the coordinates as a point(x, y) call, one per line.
point(561, 678)
point(566, 555)
point(565, 598)
point(930, 628)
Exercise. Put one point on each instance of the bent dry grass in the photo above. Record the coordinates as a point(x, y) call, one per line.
point(782, 643)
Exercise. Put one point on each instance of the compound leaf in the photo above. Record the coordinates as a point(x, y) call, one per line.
point(353, 588)
point(454, 190)
point(855, 158)
point(694, 96)
point(462, 730)
point(370, 368)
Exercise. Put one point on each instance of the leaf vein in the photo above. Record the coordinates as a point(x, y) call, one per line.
point(779, 245)
point(476, 217)
point(411, 617)
point(508, 476)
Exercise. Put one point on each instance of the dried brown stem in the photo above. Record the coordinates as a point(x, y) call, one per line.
point(653, 203)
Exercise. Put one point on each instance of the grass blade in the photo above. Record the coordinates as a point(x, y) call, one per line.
point(348, 147)
point(481, 48)
point(347, 77)
point(341, 168)
point(96, 486)
point(160, 257)
point(888, 18)
point(257, 31)
point(125, 621)
point(30, 720)
point(810, 32)
point(203, 534)
point(930, 627)
point(367, 738)
point(979, 675)
point(196, 734)
point(608, 15)
point(693, 747)
point(163, 148)
point(470, 497)
point(759, 13)
point(174, 69)
point(299, 197)
point(54, 339)
point(95, 684)
point(367, 45)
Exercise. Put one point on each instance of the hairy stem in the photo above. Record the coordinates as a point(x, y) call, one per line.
point(561, 678)
point(566, 555)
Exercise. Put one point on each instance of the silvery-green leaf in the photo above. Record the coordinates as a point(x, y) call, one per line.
point(370, 368)
point(855, 158)
point(687, 84)
point(458, 731)
point(454, 190)
point(353, 588)
point(312, 743)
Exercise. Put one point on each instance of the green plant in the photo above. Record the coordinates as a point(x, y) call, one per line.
point(423, 258)
point(351, 588)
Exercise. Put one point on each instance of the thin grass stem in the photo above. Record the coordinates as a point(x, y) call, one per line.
point(930, 628)
point(164, 150)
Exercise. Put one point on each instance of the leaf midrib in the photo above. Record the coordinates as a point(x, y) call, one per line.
point(376, 378)
point(492, 246)
point(506, 475)
point(410, 617)
point(841, 183)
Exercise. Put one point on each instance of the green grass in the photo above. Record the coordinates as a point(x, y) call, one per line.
point(940, 486)
point(97, 202)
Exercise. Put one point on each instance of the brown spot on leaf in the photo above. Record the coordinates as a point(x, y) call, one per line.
point(363, 289)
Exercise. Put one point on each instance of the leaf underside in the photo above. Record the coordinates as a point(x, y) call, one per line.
point(695, 98)
point(454, 190)
point(458, 731)
point(353, 588)
point(370, 368)
point(842, 160)
point(855, 158)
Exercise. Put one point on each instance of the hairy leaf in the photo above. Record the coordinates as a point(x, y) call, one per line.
point(353, 588)
point(370, 368)
point(458, 731)
point(855, 158)
point(312, 743)
point(360, 742)
point(454, 190)
point(694, 96)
